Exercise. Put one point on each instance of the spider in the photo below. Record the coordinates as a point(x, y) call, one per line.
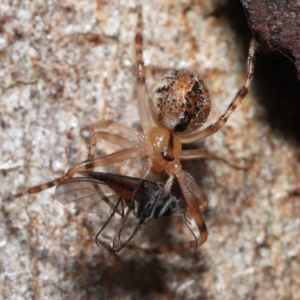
point(95, 192)
point(179, 103)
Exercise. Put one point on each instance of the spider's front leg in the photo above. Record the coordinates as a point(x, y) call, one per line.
point(241, 94)
point(101, 132)
point(193, 194)
point(87, 165)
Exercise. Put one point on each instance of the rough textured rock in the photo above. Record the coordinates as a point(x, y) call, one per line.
point(66, 64)
point(276, 24)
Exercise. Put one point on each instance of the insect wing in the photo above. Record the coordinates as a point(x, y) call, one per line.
point(126, 186)
point(88, 195)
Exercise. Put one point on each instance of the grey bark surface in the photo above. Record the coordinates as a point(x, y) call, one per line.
point(64, 65)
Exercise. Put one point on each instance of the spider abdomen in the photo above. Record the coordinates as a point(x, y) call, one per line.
point(180, 101)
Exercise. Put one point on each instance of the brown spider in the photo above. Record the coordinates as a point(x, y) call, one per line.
point(180, 104)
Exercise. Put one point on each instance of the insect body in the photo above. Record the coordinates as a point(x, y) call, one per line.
point(96, 192)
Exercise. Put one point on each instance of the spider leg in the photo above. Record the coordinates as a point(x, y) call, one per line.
point(189, 138)
point(147, 168)
point(197, 191)
point(140, 76)
point(113, 138)
point(187, 223)
point(200, 153)
point(87, 165)
point(194, 153)
point(112, 125)
point(244, 165)
point(164, 208)
point(193, 194)
point(146, 171)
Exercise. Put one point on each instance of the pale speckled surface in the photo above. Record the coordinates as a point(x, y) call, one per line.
point(55, 77)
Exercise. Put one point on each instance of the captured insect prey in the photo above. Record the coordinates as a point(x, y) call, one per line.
point(180, 104)
point(111, 194)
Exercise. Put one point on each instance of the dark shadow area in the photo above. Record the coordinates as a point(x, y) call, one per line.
point(278, 88)
point(132, 276)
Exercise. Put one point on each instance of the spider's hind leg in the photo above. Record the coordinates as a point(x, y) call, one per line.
point(126, 137)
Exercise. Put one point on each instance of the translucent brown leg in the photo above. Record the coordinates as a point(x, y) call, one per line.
point(192, 196)
point(195, 198)
point(194, 153)
point(197, 191)
point(113, 138)
point(189, 138)
point(84, 166)
point(112, 125)
point(169, 184)
point(144, 108)
point(200, 153)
